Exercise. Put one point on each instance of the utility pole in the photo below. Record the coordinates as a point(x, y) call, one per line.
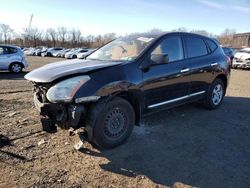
point(31, 18)
point(28, 32)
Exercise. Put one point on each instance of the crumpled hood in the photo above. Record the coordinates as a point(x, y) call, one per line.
point(53, 71)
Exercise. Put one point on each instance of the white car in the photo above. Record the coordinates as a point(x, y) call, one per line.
point(30, 51)
point(40, 50)
point(242, 59)
point(85, 54)
point(73, 54)
point(50, 52)
point(12, 59)
point(56, 52)
point(62, 53)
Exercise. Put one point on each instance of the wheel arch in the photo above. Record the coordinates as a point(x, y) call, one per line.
point(223, 78)
point(128, 91)
point(135, 99)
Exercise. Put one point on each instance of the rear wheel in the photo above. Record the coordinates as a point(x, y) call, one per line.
point(16, 67)
point(112, 122)
point(215, 94)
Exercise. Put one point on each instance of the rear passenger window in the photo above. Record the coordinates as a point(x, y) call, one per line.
point(195, 47)
point(212, 45)
point(171, 46)
point(12, 50)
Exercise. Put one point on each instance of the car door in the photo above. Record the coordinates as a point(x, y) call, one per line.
point(201, 64)
point(4, 58)
point(166, 83)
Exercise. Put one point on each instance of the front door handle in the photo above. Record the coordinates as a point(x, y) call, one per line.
point(214, 64)
point(184, 70)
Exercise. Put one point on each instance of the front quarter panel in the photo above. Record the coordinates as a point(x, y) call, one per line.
point(111, 80)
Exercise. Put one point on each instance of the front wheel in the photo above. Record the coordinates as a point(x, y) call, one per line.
point(16, 67)
point(112, 122)
point(215, 94)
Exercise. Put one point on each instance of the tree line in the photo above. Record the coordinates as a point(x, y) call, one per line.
point(71, 38)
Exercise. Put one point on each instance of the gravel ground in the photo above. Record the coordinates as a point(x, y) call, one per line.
point(182, 147)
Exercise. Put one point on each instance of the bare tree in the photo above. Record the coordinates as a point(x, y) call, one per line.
point(226, 37)
point(36, 35)
point(108, 37)
point(53, 35)
point(73, 37)
point(6, 32)
point(155, 30)
point(180, 29)
point(62, 32)
point(89, 40)
point(78, 37)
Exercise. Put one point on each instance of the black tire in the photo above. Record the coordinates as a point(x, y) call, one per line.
point(74, 57)
point(112, 122)
point(16, 67)
point(214, 99)
point(49, 54)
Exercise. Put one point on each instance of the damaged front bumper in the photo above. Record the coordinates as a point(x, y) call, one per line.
point(64, 115)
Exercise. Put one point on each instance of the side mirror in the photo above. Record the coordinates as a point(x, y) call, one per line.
point(159, 58)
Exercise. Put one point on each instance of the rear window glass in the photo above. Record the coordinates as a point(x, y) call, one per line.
point(212, 45)
point(195, 46)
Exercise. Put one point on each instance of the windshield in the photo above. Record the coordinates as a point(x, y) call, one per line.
point(124, 48)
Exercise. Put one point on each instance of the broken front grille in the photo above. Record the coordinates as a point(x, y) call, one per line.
point(40, 92)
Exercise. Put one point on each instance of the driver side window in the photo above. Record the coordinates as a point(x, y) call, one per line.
point(172, 47)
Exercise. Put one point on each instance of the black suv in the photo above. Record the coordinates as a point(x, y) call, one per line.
point(109, 91)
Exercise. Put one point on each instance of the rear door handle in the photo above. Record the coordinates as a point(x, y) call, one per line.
point(214, 64)
point(184, 70)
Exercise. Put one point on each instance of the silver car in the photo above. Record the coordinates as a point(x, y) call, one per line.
point(12, 59)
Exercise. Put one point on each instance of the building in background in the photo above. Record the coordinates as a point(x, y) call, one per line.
point(241, 40)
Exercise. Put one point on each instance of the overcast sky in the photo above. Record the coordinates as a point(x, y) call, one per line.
point(126, 16)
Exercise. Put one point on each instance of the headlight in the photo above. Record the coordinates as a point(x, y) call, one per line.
point(65, 90)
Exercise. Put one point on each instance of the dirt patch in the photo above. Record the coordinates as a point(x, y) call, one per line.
point(189, 144)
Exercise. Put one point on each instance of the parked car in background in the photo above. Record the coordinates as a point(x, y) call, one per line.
point(40, 51)
point(73, 54)
point(50, 51)
point(30, 51)
point(82, 55)
point(12, 59)
point(62, 53)
point(56, 52)
point(115, 86)
point(242, 59)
